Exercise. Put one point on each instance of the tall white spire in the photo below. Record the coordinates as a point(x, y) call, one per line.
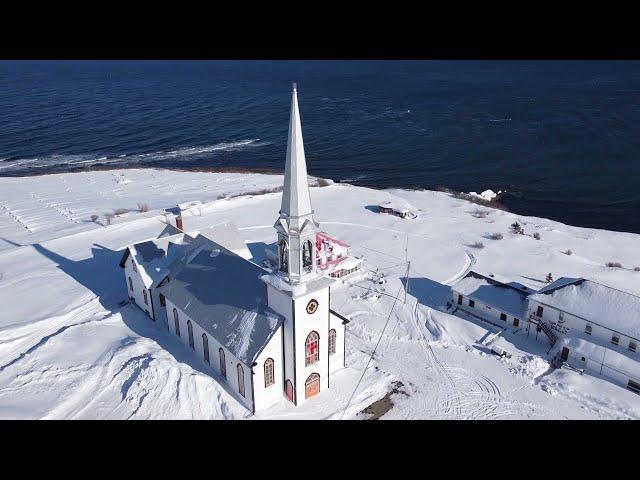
point(296, 226)
point(295, 196)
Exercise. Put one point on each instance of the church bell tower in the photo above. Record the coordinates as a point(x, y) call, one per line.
point(296, 226)
point(295, 288)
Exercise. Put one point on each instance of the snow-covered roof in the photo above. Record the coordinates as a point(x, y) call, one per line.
point(227, 235)
point(348, 263)
point(153, 257)
point(501, 296)
point(595, 302)
point(169, 230)
point(599, 353)
point(398, 205)
point(223, 293)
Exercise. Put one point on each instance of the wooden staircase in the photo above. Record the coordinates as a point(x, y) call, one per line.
point(547, 331)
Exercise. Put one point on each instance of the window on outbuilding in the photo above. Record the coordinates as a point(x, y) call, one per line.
point(133, 264)
point(588, 329)
point(205, 347)
point(632, 346)
point(332, 341)
point(516, 322)
point(130, 284)
point(615, 339)
point(539, 311)
point(269, 372)
point(472, 303)
point(176, 322)
point(240, 379)
point(459, 299)
point(144, 294)
point(223, 363)
point(190, 329)
point(503, 317)
point(312, 349)
point(163, 303)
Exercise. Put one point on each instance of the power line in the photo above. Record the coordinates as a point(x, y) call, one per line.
point(372, 354)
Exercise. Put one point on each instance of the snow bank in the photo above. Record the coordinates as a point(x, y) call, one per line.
point(488, 195)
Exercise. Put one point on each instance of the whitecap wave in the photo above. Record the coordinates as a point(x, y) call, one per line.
point(127, 159)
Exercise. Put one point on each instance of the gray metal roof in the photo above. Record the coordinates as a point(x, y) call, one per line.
point(223, 293)
point(503, 296)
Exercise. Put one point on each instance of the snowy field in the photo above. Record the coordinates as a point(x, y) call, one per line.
point(71, 347)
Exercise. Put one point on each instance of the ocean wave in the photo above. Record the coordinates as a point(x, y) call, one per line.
point(127, 159)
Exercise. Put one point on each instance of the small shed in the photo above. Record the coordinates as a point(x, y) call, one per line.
point(398, 208)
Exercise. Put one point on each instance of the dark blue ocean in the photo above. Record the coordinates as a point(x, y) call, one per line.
point(562, 138)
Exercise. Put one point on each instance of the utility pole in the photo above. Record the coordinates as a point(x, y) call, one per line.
point(406, 283)
point(406, 276)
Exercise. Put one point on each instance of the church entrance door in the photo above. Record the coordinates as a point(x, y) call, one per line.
point(312, 385)
point(288, 390)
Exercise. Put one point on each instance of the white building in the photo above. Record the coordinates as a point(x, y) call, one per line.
point(603, 322)
point(490, 299)
point(590, 326)
point(265, 334)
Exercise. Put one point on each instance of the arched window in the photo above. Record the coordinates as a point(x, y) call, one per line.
point(190, 328)
point(307, 259)
point(144, 294)
point(176, 321)
point(284, 256)
point(240, 380)
point(130, 284)
point(312, 385)
point(312, 349)
point(332, 341)
point(269, 374)
point(223, 363)
point(205, 347)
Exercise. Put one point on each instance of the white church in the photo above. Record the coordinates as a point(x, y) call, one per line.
point(265, 334)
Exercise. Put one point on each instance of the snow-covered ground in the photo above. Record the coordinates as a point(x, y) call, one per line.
point(70, 347)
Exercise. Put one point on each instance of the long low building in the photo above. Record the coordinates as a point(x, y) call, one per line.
point(490, 299)
point(590, 326)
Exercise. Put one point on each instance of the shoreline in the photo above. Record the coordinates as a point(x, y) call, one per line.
point(321, 181)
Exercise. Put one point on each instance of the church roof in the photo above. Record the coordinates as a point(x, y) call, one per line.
point(155, 256)
point(295, 195)
point(223, 294)
point(227, 235)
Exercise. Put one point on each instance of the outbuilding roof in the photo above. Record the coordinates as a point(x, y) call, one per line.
point(222, 292)
point(595, 302)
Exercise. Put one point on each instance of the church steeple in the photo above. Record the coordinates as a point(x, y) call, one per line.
point(296, 226)
point(295, 196)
